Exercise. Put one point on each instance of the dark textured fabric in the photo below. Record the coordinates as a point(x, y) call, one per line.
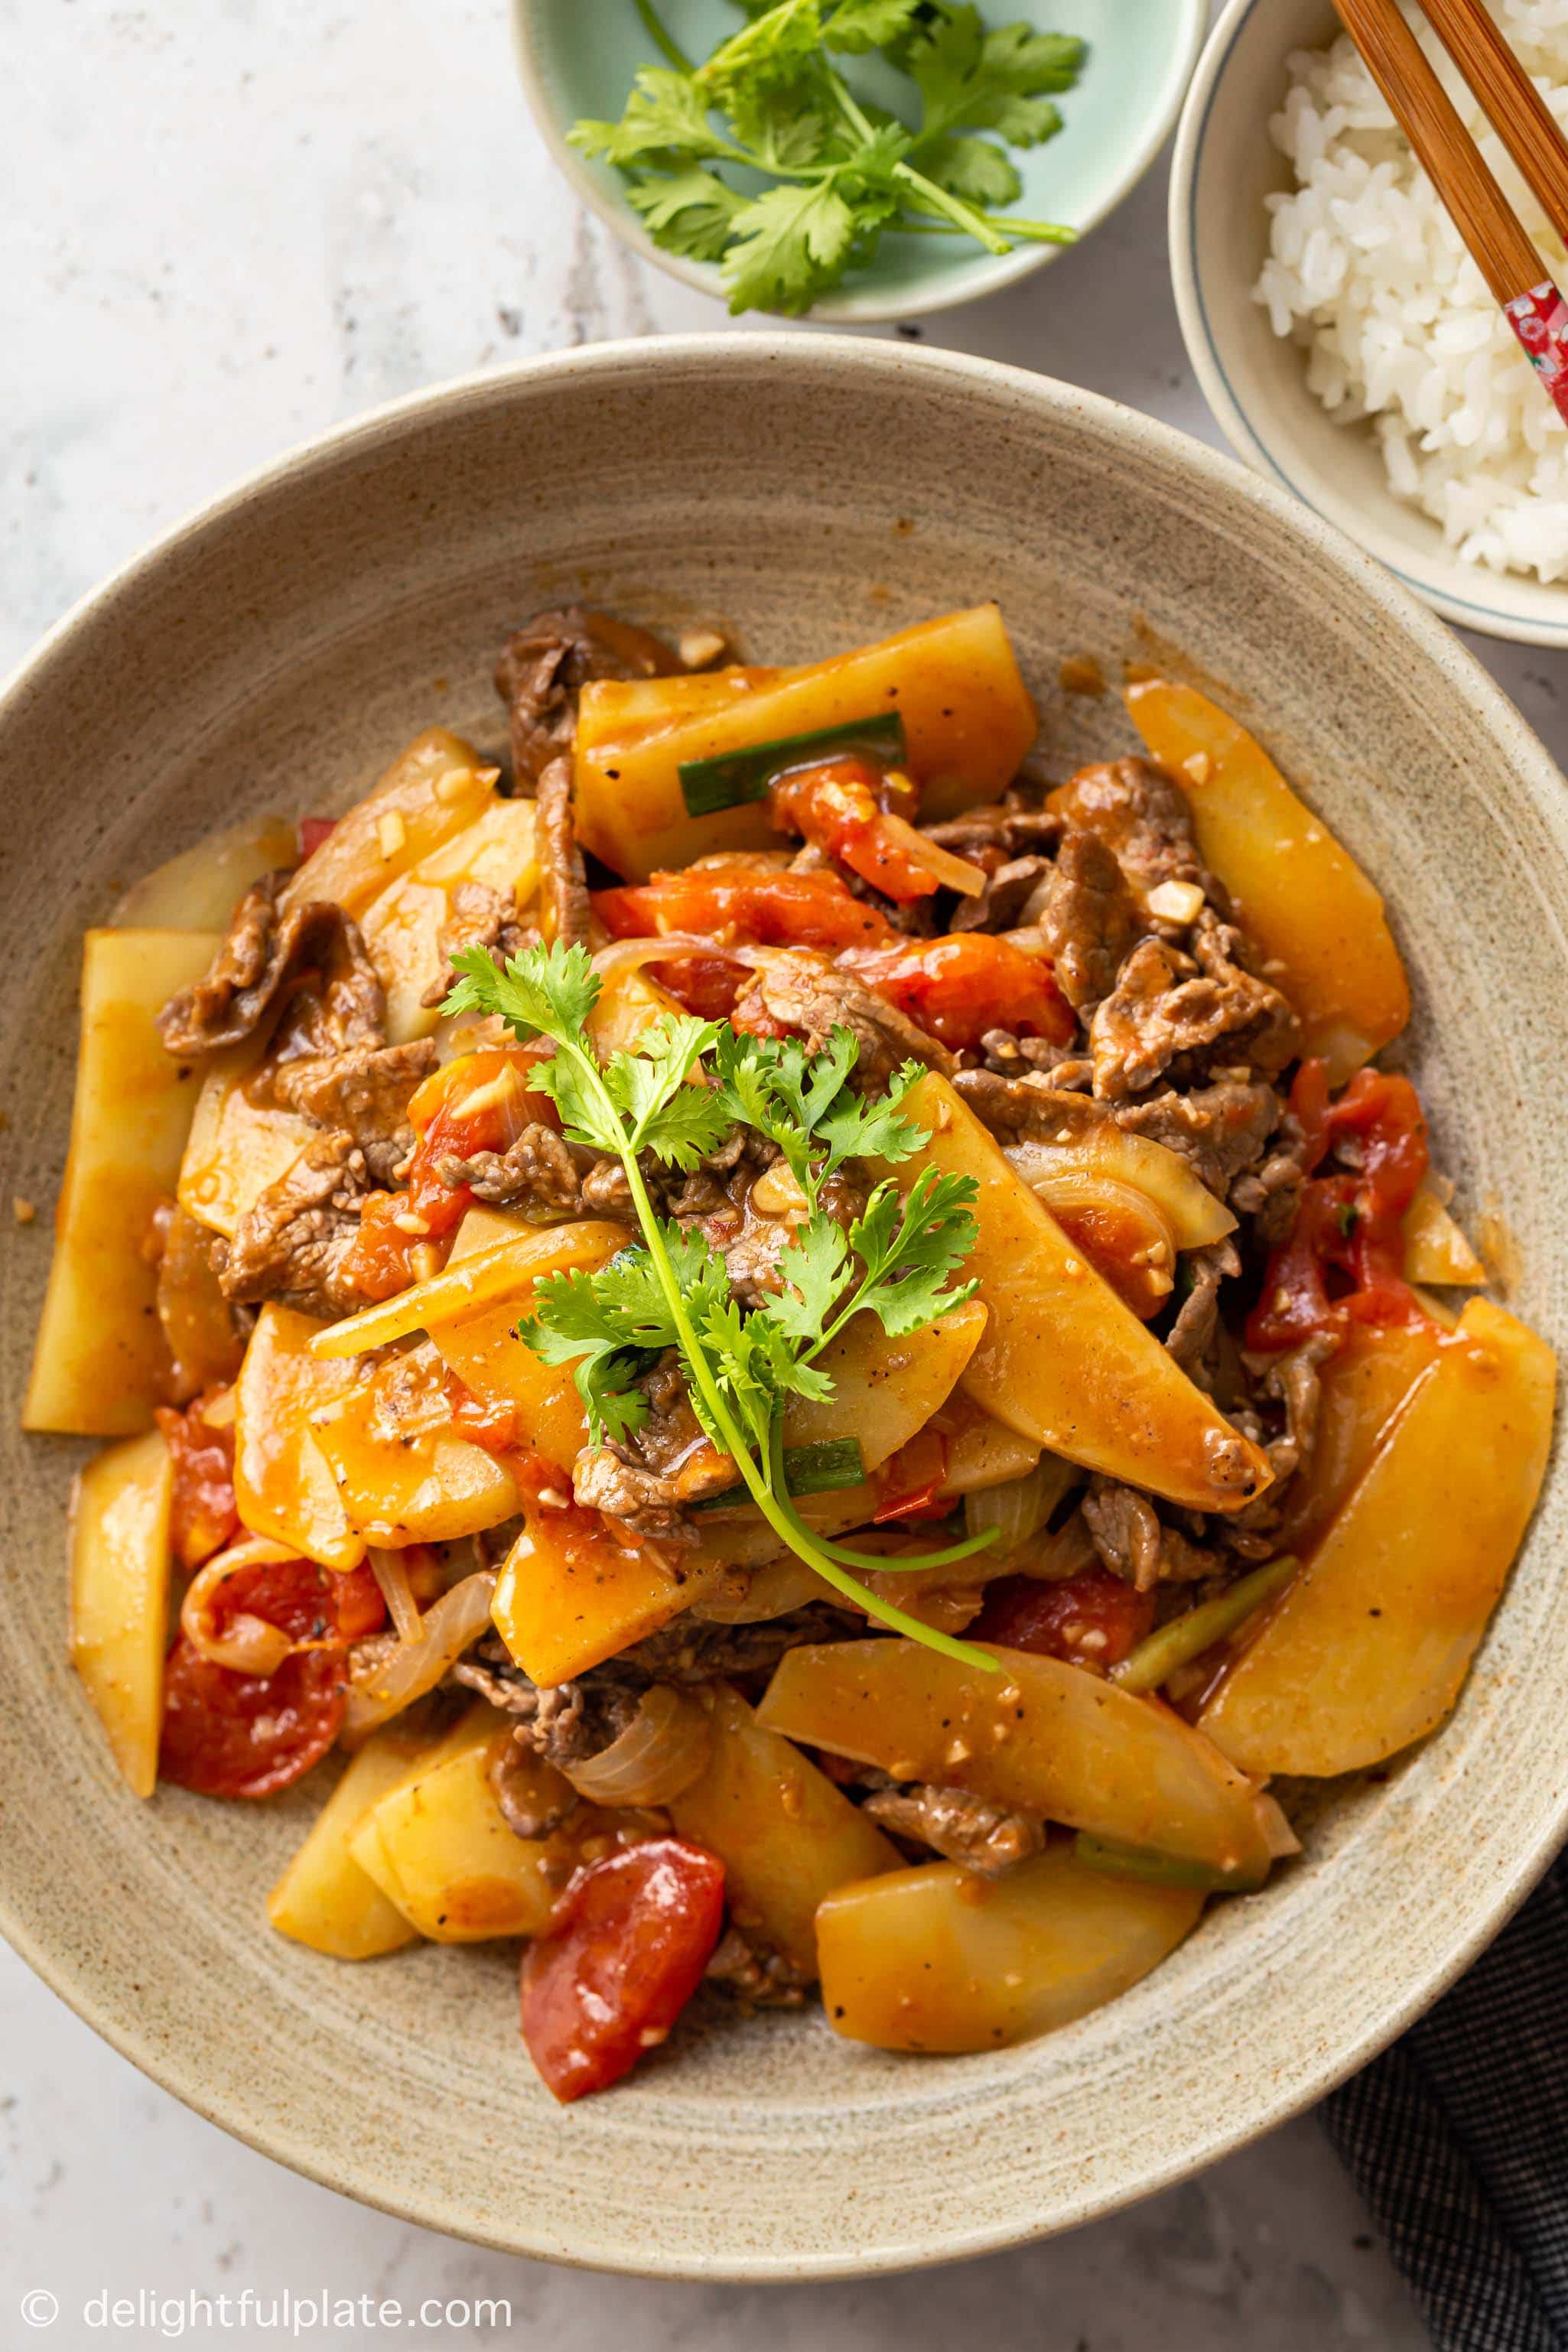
point(1458, 2138)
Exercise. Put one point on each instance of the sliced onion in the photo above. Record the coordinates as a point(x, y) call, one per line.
point(390, 1570)
point(1050, 1560)
point(955, 872)
point(1019, 1508)
point(753, 1596)
point(247, 1645)
point(623, 956)
point(446, 1629)
point(662, 1750)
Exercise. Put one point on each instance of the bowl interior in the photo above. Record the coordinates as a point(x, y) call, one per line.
point(1226, 164)
point(579, 61)
point(812, 492)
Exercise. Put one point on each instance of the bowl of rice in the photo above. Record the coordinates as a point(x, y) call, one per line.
point(1343, 335)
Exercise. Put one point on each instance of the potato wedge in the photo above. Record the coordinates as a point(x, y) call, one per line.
point(1362, 1387)
point(431, 791)
point(1063, 1360)
point(120, 1559)
point(1369, 1648)
point(885, 1390)
point(403, 926)
point(786, 1835)
point(1435, 1249)
point(1041, 1735)
point(569, 1596)
point(487, 1356)
point(935, 1959)
point(237, 1148)
point(438, 1847)
point(100, 1362)
point(198, 890)
point(628, 1003)
point(324, 1898)
point(284, 1486)
point(1298, 892)
point(402, 1473)
point(967, 716)
point(503, 1267)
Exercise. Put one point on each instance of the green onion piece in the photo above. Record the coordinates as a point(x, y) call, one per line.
point(732, 778)
point(1156, 1660)
point(818, 1469)
point(1155, 1869)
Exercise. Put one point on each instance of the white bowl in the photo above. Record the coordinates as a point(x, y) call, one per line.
point(1225, 165)
point(577, 57)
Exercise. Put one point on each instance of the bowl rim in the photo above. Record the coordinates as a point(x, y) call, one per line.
point(1302, 2080)
point(989, 274)
point(1234, 420)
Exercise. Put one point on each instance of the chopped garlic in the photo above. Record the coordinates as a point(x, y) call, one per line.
point(698, 647)
point(1199, 766)
point(776, 1194)
point(391, 832)
point(451, 786)
point(1176, 902)
point(22, 1211)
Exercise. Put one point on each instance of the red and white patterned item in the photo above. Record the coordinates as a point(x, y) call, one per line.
point(1540, 320)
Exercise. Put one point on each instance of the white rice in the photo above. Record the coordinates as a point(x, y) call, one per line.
point(1367, 272)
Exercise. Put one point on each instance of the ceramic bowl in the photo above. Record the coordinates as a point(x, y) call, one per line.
point(578, 59)
point(1225, 164)
point(273, 653)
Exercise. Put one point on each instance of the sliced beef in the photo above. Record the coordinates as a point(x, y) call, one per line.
point(528, 1811)
point(753, 1974)
point(572, 1722)
point(1167, 1004)
point(313, 957)
point(1140, 814)
point(1134, 1541)
point(362, 1091)
point(690, 1650)
point(1026, 1108)
point(986, 1838)
point(563, 906)
point(1089, 917)
point(1220, 1128)
point(1289, 1382)
point(477, 916)
point(1000, 907)
point(799, 990)
point(1192, 1334)
point(544, 667)
point(292, 1244)
point(202, 1330)
point(1014, 827)
point(536, 1174)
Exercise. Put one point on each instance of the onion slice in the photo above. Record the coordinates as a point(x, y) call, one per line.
point(662, 1750)
point(446, 1629)
point(1019, 1508)
point(248, 1645)
point(390, 1570)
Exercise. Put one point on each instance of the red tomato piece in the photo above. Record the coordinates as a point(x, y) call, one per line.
point(1092, 1618)
point(204, 1515)
point(839, 807)
point(626, 1951)
point(311, 831)
point(733, 902)
point(913, 1481)
point(492, 1426)
point(229, 1735)
point(958, 987)
point(1343, 1259)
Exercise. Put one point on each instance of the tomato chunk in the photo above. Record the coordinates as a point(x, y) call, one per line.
point(204, 1515)
point(311, 832)
point(1343, 1261)
point(625, 1953)
point(733, 901)
point(841, 807)
point(958, 987)
point(1092, 1618)
point(234, 1735)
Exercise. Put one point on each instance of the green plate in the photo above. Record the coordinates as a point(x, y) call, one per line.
point(578, 56)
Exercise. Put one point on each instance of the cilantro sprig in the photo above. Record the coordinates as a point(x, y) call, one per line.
point(771, 99)
point(674, 1100)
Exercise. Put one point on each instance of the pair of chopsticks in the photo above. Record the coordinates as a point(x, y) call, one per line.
point(1504, 255)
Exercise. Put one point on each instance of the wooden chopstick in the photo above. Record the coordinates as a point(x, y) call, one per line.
point(1518, 112)
point(1503, 252)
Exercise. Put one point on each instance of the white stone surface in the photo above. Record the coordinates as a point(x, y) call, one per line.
point(229, 224)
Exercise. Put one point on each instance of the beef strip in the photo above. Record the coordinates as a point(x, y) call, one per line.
point(573, 1722)
point(753, 1974)
point(1289, 1380)
point(1088, 916)
point(1000, 907)
point(1220, 1128)
point(291, 1244)
point(528, 1811)
point(477, 916)
point(545, 666)
point(988, 1839)
point(1167, 1004)
point(267, 958)
point(1140, 814)
point(535, 1173)
point(1015, 827)
point(362, 1091)
point(564, 912)
point(800, 990)
point(690, 1650)
point(1192, 1334)
point(1134, 1541)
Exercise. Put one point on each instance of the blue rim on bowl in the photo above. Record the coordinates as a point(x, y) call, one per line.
point(1142, 53)
point(1223, 166)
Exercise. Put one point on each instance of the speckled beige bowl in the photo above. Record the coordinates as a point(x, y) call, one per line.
point(272, 653)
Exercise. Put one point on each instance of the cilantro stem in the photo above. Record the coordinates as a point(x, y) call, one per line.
point(668, 48)
point(1039, 232)
point(945, 1558)
point(963, 216)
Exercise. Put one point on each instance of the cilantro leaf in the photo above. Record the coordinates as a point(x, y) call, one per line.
point(909, 1248)
point(972, 80)
point(858, 25)
point(569, 1327)
point(690, 212)
point(666, 113)
point(789, 246)
point(975, 169)
point(812, 1269)
point(543, 992)
point(854, 1127)
point(676, 1122)
point(773, 47)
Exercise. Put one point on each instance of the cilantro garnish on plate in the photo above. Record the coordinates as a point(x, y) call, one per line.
point(676, 1097)
point(773, 99)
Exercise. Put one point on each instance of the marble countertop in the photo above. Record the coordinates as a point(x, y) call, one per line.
point(264, 220)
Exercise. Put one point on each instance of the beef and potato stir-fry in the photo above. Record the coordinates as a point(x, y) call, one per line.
point(829, 1358)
